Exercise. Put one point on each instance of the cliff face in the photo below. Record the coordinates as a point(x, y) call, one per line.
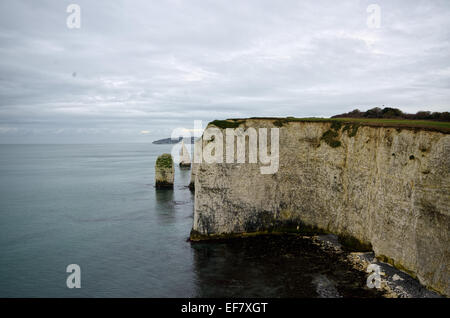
point(381, 186)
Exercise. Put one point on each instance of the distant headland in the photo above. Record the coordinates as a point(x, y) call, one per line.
point(173, 141)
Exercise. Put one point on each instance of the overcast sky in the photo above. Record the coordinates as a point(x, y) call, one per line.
point(137, 69)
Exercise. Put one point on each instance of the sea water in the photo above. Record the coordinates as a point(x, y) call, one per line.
point(96, 206)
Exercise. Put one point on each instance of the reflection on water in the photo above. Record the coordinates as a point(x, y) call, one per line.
point(164, 197)
point(185, 173)
point(164, 206)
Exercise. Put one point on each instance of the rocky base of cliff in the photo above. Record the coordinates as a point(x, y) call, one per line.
point(394, 283)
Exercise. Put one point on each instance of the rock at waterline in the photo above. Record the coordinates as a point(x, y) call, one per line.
point(193, 173)
point(185, 158)
point(164, 171)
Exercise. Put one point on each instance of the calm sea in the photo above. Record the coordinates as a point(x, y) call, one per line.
point(95, 206)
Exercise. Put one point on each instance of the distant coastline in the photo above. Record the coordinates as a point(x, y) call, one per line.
point(173, 141)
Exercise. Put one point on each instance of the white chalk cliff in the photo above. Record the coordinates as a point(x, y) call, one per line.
point(386, 187)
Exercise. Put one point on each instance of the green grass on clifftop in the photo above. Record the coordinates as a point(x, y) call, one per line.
point(440, 126)
point(229, 123)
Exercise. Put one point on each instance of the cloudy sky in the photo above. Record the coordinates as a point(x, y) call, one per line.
point(135, 70)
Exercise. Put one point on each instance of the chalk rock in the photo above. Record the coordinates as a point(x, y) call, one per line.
point(185, 158)
point(196, 162)
point(164, 171)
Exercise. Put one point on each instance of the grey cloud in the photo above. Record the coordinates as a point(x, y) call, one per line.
point(157, 65)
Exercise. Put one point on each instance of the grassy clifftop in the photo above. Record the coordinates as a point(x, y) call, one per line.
point(440, 126)
point(164, 161)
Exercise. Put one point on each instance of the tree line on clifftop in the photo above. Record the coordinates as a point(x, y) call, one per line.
point(395, 113)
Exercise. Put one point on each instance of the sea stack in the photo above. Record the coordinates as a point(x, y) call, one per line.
point(164, 171)
point(185, 158)
point(197, 158)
